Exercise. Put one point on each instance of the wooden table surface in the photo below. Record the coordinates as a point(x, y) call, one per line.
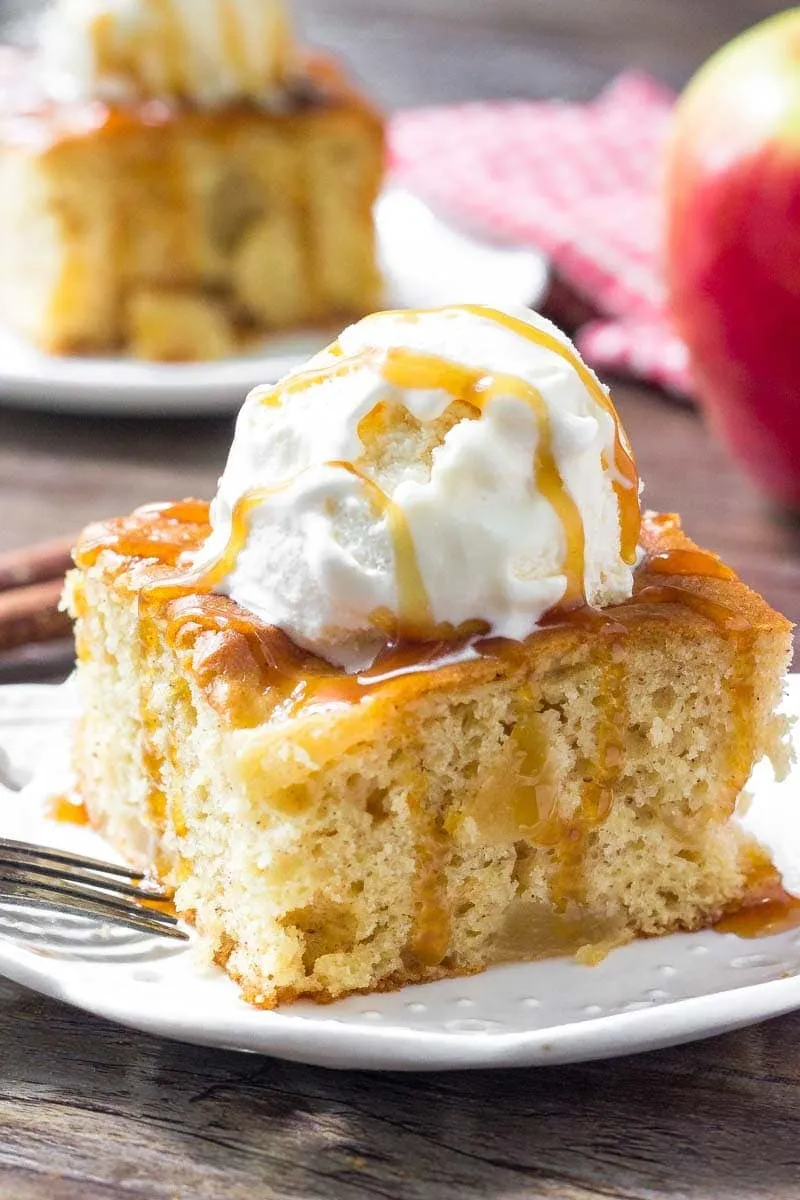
point(92, 1111)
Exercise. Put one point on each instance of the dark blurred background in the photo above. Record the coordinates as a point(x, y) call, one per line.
point(413, 51)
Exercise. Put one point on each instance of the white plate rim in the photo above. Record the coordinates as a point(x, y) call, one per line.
point(395, 1048)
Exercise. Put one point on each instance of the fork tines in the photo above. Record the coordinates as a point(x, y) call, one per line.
point(36, 876)
point(28, 851)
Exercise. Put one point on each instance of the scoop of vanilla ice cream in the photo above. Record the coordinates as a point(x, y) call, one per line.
point(355, 489)
point(206, 51)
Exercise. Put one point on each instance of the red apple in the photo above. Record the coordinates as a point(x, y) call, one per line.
point(733, 246)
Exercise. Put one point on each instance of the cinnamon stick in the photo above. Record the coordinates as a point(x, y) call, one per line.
point(30, 614)
point(33, 564)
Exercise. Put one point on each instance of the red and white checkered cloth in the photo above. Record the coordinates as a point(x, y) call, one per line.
point(580, 181)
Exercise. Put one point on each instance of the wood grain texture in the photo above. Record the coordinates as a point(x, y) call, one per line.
point(92, 1112)
point(120, 1113)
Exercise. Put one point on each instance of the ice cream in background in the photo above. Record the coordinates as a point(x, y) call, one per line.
point(430, 472)
point(207, 51)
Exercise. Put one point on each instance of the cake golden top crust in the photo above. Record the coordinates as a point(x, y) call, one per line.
point(29, 119)
point(238, 657)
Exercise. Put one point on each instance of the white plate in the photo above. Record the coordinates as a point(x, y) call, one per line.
point(646, 995)
point(425, 263)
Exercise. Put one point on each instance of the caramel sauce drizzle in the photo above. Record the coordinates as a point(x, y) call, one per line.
point(167, 37)
point(162, 906)
point(301, 381)
point(597, 793)
point(414, 618)
point(68, 809)
point(534, 801)
point(408, 369)
point(429, 940)
point(105, 55)
point(233, 44)
point(701, 563)
point(718, 614)
point(626, 487)
point(165, 537)
point(205, 579)
point(161, 40)
point(412, 370)
point(777, 913)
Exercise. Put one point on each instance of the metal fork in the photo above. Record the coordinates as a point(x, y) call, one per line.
point(38, 877)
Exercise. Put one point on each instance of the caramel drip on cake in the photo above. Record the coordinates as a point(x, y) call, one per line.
point(121, 54)
point(188, 512)
point(626, 485)
point(277, 656)
point(234, 45)
point(533, 802)
point(68, 809)
point(597, 793)
point(701, 563)
point(773, 914)
point(168, 39)
point(152, 759)
point(412, 370)
point(168, 179)
point(430, 933)
point(162, 532)
point(162, 40)
point(740, 685)
point(166, 534)
point(409, 369)
point(105, 53)
point(414, 618)
point(288, 675)
point(718, 614)
point(301, 381)
point(205, 579)
point(162, 906)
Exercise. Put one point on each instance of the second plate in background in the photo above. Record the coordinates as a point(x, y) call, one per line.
point(425, 262)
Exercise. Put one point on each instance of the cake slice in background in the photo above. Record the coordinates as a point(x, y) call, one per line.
point(177, 179)
point(422, 692)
